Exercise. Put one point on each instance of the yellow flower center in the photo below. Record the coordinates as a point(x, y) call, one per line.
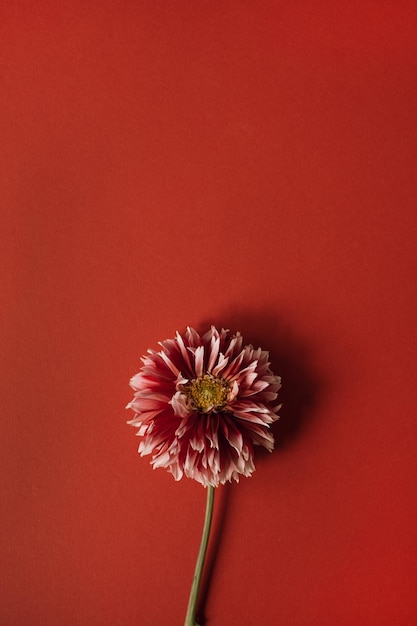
point(208, 393)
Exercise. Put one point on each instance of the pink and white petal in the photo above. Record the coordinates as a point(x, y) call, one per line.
point(222, 362)
point(251, 415)
point(234, 392)
point(199, 361)
point(180, 404)
point(214, 352)
point(184, 352)
point(233, 366)
point(192, 337)
point(232, 434)
point(169, 363)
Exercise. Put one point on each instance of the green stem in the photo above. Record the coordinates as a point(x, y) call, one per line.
point(190, 618)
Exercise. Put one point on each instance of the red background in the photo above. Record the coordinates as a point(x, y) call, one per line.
point(251, 164)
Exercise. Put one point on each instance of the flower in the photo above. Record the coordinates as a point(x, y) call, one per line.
point(201, 403)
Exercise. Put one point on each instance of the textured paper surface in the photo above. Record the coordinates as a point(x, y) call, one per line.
point(246, 164)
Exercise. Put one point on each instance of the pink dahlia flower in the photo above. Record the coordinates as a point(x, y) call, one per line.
point(202, 403)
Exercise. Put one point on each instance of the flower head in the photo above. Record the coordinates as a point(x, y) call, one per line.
point(201, 403)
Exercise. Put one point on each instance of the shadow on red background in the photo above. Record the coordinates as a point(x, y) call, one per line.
point(303, 387)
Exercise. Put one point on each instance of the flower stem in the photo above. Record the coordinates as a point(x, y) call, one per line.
point(190, 618)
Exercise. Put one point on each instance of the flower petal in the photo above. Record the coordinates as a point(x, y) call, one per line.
point(207, 438)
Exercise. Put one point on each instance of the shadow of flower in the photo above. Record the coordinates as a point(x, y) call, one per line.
point(291, 358)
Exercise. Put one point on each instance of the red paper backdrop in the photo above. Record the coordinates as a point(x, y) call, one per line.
point(251, 164)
